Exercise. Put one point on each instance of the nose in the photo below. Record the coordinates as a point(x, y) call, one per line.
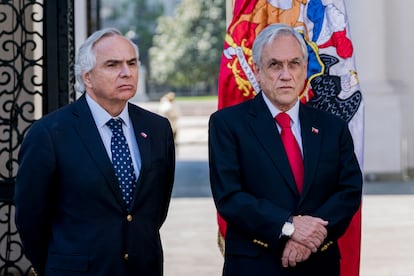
point(285, 73)
point(125, 70)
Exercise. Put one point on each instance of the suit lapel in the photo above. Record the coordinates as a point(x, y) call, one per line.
point(311, 142)
point(261, 121)
point(92, 141)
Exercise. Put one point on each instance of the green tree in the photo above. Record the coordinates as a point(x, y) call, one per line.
point(145, 21)
point(187, 47)
point(137, 18)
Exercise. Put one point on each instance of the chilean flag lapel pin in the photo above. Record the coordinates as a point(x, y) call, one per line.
point(315, 130)
point(144, 135)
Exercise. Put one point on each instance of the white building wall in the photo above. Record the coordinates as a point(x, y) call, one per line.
point(382, 41)
point(400, 58)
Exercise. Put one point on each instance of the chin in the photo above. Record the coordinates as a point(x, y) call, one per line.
point(127, 95)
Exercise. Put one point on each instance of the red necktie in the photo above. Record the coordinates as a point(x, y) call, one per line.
point(292, 149)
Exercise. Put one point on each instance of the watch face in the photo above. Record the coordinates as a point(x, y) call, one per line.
point(288, 229)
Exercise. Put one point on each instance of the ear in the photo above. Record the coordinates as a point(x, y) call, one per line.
point(256, 71)
point(87, 79)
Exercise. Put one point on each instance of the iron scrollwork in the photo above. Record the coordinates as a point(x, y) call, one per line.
point(21, 93)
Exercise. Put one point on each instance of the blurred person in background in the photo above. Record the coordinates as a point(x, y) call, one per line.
point(169, 109)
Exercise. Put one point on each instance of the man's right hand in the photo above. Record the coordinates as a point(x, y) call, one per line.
point(294, 253)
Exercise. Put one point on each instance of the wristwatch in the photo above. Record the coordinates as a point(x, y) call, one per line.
point(288, 228)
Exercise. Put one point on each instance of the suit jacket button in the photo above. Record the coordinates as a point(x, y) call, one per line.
point(126, 256)
point(129, 218)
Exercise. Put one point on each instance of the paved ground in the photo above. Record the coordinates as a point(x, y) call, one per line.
point(189, 237)
point(190, 232)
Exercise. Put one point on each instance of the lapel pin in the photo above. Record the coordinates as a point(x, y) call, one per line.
point(315, 130)
point(144, 135)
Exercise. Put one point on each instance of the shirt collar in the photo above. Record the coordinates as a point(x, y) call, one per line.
point(293, 112)
point(101, 116)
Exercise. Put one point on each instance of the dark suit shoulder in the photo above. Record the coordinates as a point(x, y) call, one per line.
point(57, 117)
point(139, 111)
point(148, 120)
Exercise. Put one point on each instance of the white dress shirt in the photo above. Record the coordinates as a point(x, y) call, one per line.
point(294, 119)
point(101, 117)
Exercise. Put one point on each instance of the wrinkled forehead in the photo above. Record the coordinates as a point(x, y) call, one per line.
point(114, 47)
point(283, 47)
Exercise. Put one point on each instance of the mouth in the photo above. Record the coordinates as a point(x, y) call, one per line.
point(126, 87)
point(285, 87)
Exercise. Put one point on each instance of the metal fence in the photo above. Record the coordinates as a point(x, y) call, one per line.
point(36, 77)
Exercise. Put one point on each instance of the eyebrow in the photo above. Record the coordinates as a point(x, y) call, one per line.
point(288, 60)
point(120, 60)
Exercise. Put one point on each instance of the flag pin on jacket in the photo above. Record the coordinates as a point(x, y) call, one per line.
point(315, 130)
point(144, 135)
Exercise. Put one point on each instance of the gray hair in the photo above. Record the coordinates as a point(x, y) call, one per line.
point(86, 59)
point(269, 34)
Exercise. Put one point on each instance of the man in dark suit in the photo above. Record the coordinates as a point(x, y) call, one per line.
point(282, 219)
point(76, 214)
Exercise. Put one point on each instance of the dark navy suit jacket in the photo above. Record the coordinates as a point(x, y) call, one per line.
point(69, 209)
point(255, 192)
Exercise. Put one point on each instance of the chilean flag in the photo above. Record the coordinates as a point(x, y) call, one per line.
point(332, 83)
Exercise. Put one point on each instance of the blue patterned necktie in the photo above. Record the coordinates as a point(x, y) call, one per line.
point(121, 160)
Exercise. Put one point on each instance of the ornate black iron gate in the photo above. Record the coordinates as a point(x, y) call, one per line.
point(36, 77)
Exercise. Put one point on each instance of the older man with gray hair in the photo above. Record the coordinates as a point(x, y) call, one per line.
point(95, 177)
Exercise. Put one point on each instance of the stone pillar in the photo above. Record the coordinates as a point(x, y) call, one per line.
point(370, 26)
point(81, 27)
point(229, 11)
point(399, 60)
point(81, 23)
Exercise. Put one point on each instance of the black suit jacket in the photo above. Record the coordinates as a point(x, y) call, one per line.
point(255, 192)
point(69, 209)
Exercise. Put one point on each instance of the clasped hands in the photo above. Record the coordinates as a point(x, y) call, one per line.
point(309, 234)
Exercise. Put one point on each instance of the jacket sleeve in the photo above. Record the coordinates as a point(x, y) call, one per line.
point(32, 199)
point(346, 199)
point(169, 179)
